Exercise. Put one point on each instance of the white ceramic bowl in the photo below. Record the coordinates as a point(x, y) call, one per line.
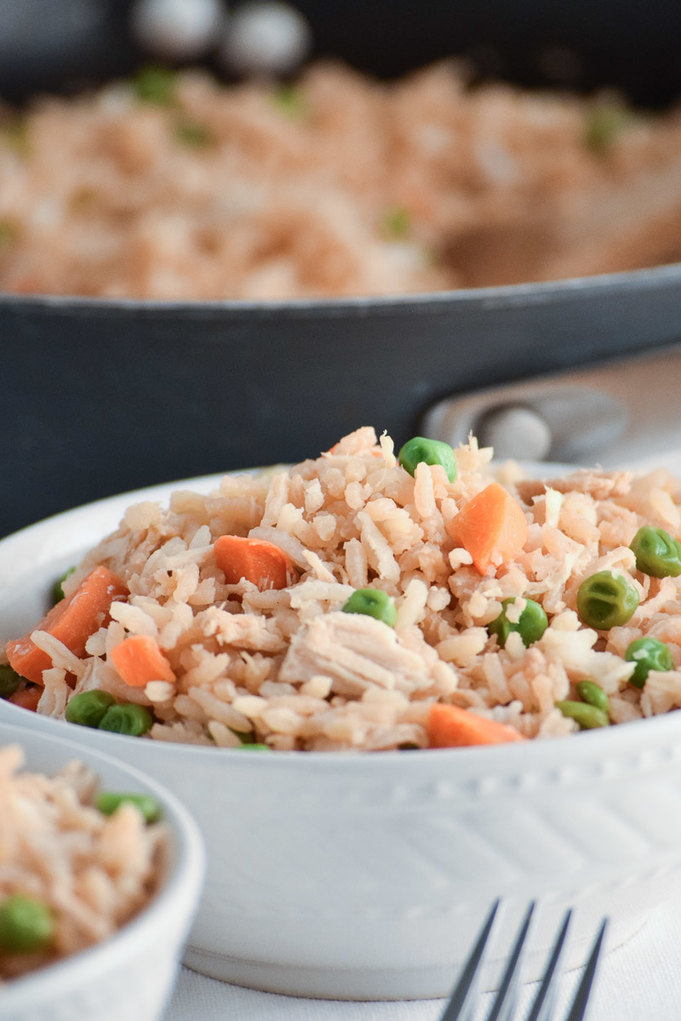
point(132, 974)
point(365, 875)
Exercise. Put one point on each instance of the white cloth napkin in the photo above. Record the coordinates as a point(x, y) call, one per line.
point(639, 981)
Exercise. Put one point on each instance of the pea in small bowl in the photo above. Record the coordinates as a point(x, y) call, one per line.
point(363, 875)
point(130, 974)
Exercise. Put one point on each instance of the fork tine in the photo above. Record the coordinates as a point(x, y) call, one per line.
point(545, 997)
point(580, 1002)
point(461, 1004)
point(505, 1000)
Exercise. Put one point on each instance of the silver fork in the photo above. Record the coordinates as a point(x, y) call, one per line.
point(461, 1005)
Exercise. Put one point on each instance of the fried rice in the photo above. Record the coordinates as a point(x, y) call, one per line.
point(93, 872)
point(288, 668)
point(339, 186)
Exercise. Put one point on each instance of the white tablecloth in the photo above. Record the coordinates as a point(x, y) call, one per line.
point(640, 981)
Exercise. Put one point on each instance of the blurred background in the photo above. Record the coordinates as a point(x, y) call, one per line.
point(66, 44)
point(102, 397)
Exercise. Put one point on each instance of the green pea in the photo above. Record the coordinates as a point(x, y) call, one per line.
point(127, 718)
point(587, 716)
point(15, 134)
point(592, 693)
point(290, 101)
point(58, 587)
point(26, 925)
point(606, 600)
point(605, 121)
point(245, 736)
point(193, 134)
point(253, 747)
point(372, 602)
point(397, 223)
point(421, 449)
point(9, 681)
point(657, 552)
point(155, 85)
point(108, 801)
point(88, 707)
point(648, 654)
point(531, 624)
point(7, 235)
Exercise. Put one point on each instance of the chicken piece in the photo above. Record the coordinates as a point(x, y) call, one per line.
point(358, 652)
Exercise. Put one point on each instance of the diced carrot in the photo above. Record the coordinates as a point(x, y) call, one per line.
point(138, 659)
point(257, 560)
point(492, 526)
point(27, 698)
point(449, 726)
point(71, 621)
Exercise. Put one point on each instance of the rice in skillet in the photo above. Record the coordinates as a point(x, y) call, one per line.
point(184, 188)
point(91, 872)
point(288, 668)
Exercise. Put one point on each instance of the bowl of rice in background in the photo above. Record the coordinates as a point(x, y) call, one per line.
point(445, 203)
point(351, 848)
point(94, 907)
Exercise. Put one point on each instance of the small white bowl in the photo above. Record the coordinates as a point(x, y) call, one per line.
point(364, 875)
point(130, 975)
